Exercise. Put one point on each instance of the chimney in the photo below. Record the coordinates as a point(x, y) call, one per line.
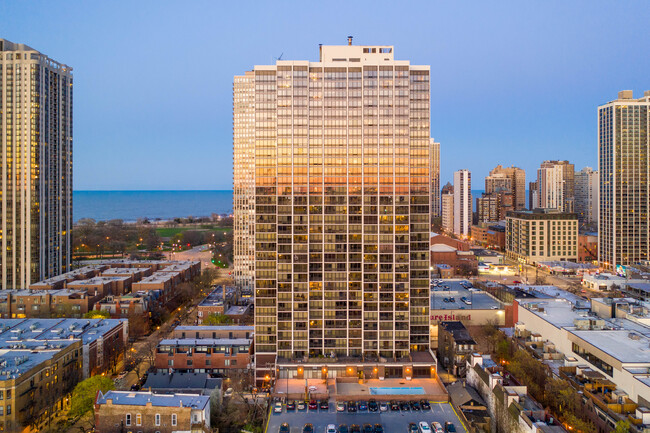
point(349, 40)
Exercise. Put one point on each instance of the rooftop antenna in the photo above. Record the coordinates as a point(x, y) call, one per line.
point(349, 40)
point(278, 58)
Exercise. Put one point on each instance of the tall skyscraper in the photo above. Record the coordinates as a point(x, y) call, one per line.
point(462, 203)
point(517, 176)
point(447, 204)
point(623, 148)
point(36, 125)
point(342, 194)
point(435, 178)
point(532, 195)
point(555, 186)
point(586, 190)
point(244, 179)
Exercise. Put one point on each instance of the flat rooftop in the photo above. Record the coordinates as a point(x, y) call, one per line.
point(624, 345)
point(553, 292)
point(131, 398)
point(157, 277)
point(15, 362)
point(86, 330)
point(215, 328)
point(479, 299)
point(206, 342)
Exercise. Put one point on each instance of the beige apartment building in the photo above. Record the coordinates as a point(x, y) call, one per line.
point(623, 141)
point(555, 187)
point(541, 235)
point(36, 142)
point(342, 206)
point(512, 179)
point(447, 207)
point(435, 179)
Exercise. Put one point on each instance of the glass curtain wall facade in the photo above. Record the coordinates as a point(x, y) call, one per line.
point(435, 180)
point(244, 179)
point(342, 193)
point(623, 140)
point(36, 140)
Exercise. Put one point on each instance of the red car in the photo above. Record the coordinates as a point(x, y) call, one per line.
point(312, 404)
point(516, 282)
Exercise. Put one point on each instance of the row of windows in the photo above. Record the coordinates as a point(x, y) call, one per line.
point(157, 418)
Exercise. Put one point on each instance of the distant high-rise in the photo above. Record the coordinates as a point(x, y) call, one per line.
point(447, 205)
point(532, 195)
point(511, 178)
point(623, 149)
point(244, 179)
point(586, 190)
point(36, 125)
point(435, 178)
point(462, 203)
point(342, 195)
point(555, 186)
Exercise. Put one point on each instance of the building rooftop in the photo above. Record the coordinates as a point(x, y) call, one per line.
point(194, 381)
point(15, 362)
point(238, 310)
point(215, 328)
point(158, 277)
point(206, 342)
point(86, 330)
point(479, 299)
point(130, 398)
point(625, 345)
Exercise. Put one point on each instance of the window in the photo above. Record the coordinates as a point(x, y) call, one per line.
point(2, 410)
point(157, 419)
point(128, 419)
point(173, 419)
point(8, 394)
point(170, 363)
point(138, 419)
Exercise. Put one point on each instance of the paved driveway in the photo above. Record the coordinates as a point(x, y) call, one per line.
point(393, 422)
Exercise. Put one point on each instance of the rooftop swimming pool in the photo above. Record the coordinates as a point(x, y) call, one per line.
point(416, 390)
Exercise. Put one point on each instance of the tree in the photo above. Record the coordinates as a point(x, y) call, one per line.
point(623, 426)
point(217, 319)
point(138, 323)
point(97, 314)
point(83, 396)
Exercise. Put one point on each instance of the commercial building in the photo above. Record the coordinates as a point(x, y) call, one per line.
point(510, 179)
point(117, 411)
point(243, 197)
point(447, 207)
point(462, 203)
point(587, 247)
point(36, 212)
point(610, 338)
point(342, 195)
point(555, 188)
point(454, 346)
point(435, 179)
point(623, 142)
point(204, 355)
point(541, 235)
point(453, 253)
point(586, 194)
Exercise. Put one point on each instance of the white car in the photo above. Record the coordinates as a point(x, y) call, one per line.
point(229, 392)
point(331, 428)
point(437, 427)
point(340, 406)
point(277, 407)
point(423, 427)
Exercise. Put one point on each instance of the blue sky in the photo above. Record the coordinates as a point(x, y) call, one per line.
point(512, 82)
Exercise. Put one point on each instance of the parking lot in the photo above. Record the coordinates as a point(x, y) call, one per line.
point(450, 299)
point(393, 422)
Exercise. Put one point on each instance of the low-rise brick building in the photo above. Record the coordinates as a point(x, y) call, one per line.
point(216, 331)
point(20, 304)
point(104, 285)
point(205, 355)
point(146, 412)
point(454, 346)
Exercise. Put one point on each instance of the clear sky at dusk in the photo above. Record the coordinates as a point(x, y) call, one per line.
point(512, 82)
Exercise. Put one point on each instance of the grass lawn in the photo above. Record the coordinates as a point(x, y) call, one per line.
point(168, 232)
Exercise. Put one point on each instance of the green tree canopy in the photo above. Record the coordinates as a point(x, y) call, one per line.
point(83, 396)
point(97, 314)
point(217, 319)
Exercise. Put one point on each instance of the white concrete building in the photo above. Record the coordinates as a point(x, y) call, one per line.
point(586, 191)
point(36, 142)
point(447, 208)
point(462, 203)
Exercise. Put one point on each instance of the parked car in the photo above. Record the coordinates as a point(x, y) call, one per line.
point(363, 405)
point(383, 406)
point(378, 428)
point(313, 404)
point(373, 406)
point(340, 406)
point(403, 405)
point(229, 392)
point(425, 405)
point(352, 407)
point(367, 428)
point(354, 428)
point(324, 405)
point(308, 428)
point(414, 405)
point(450, 427)
point(291, 405)
point(452, 299)
point(284, 428)
point(302, 405)
point(394, 406)
point(331, 428)
point(413, 428)
point(277, 407)
point(343, 428)
point(437, 427)
point(423, 427)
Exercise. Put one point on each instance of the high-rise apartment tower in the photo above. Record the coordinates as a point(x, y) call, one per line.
point(342, 193)
point(555, 186)
point(36, 139)
point(517, 176)
point(623, 149)
point(435, 179)
point(462, 203)
point(586, 190)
